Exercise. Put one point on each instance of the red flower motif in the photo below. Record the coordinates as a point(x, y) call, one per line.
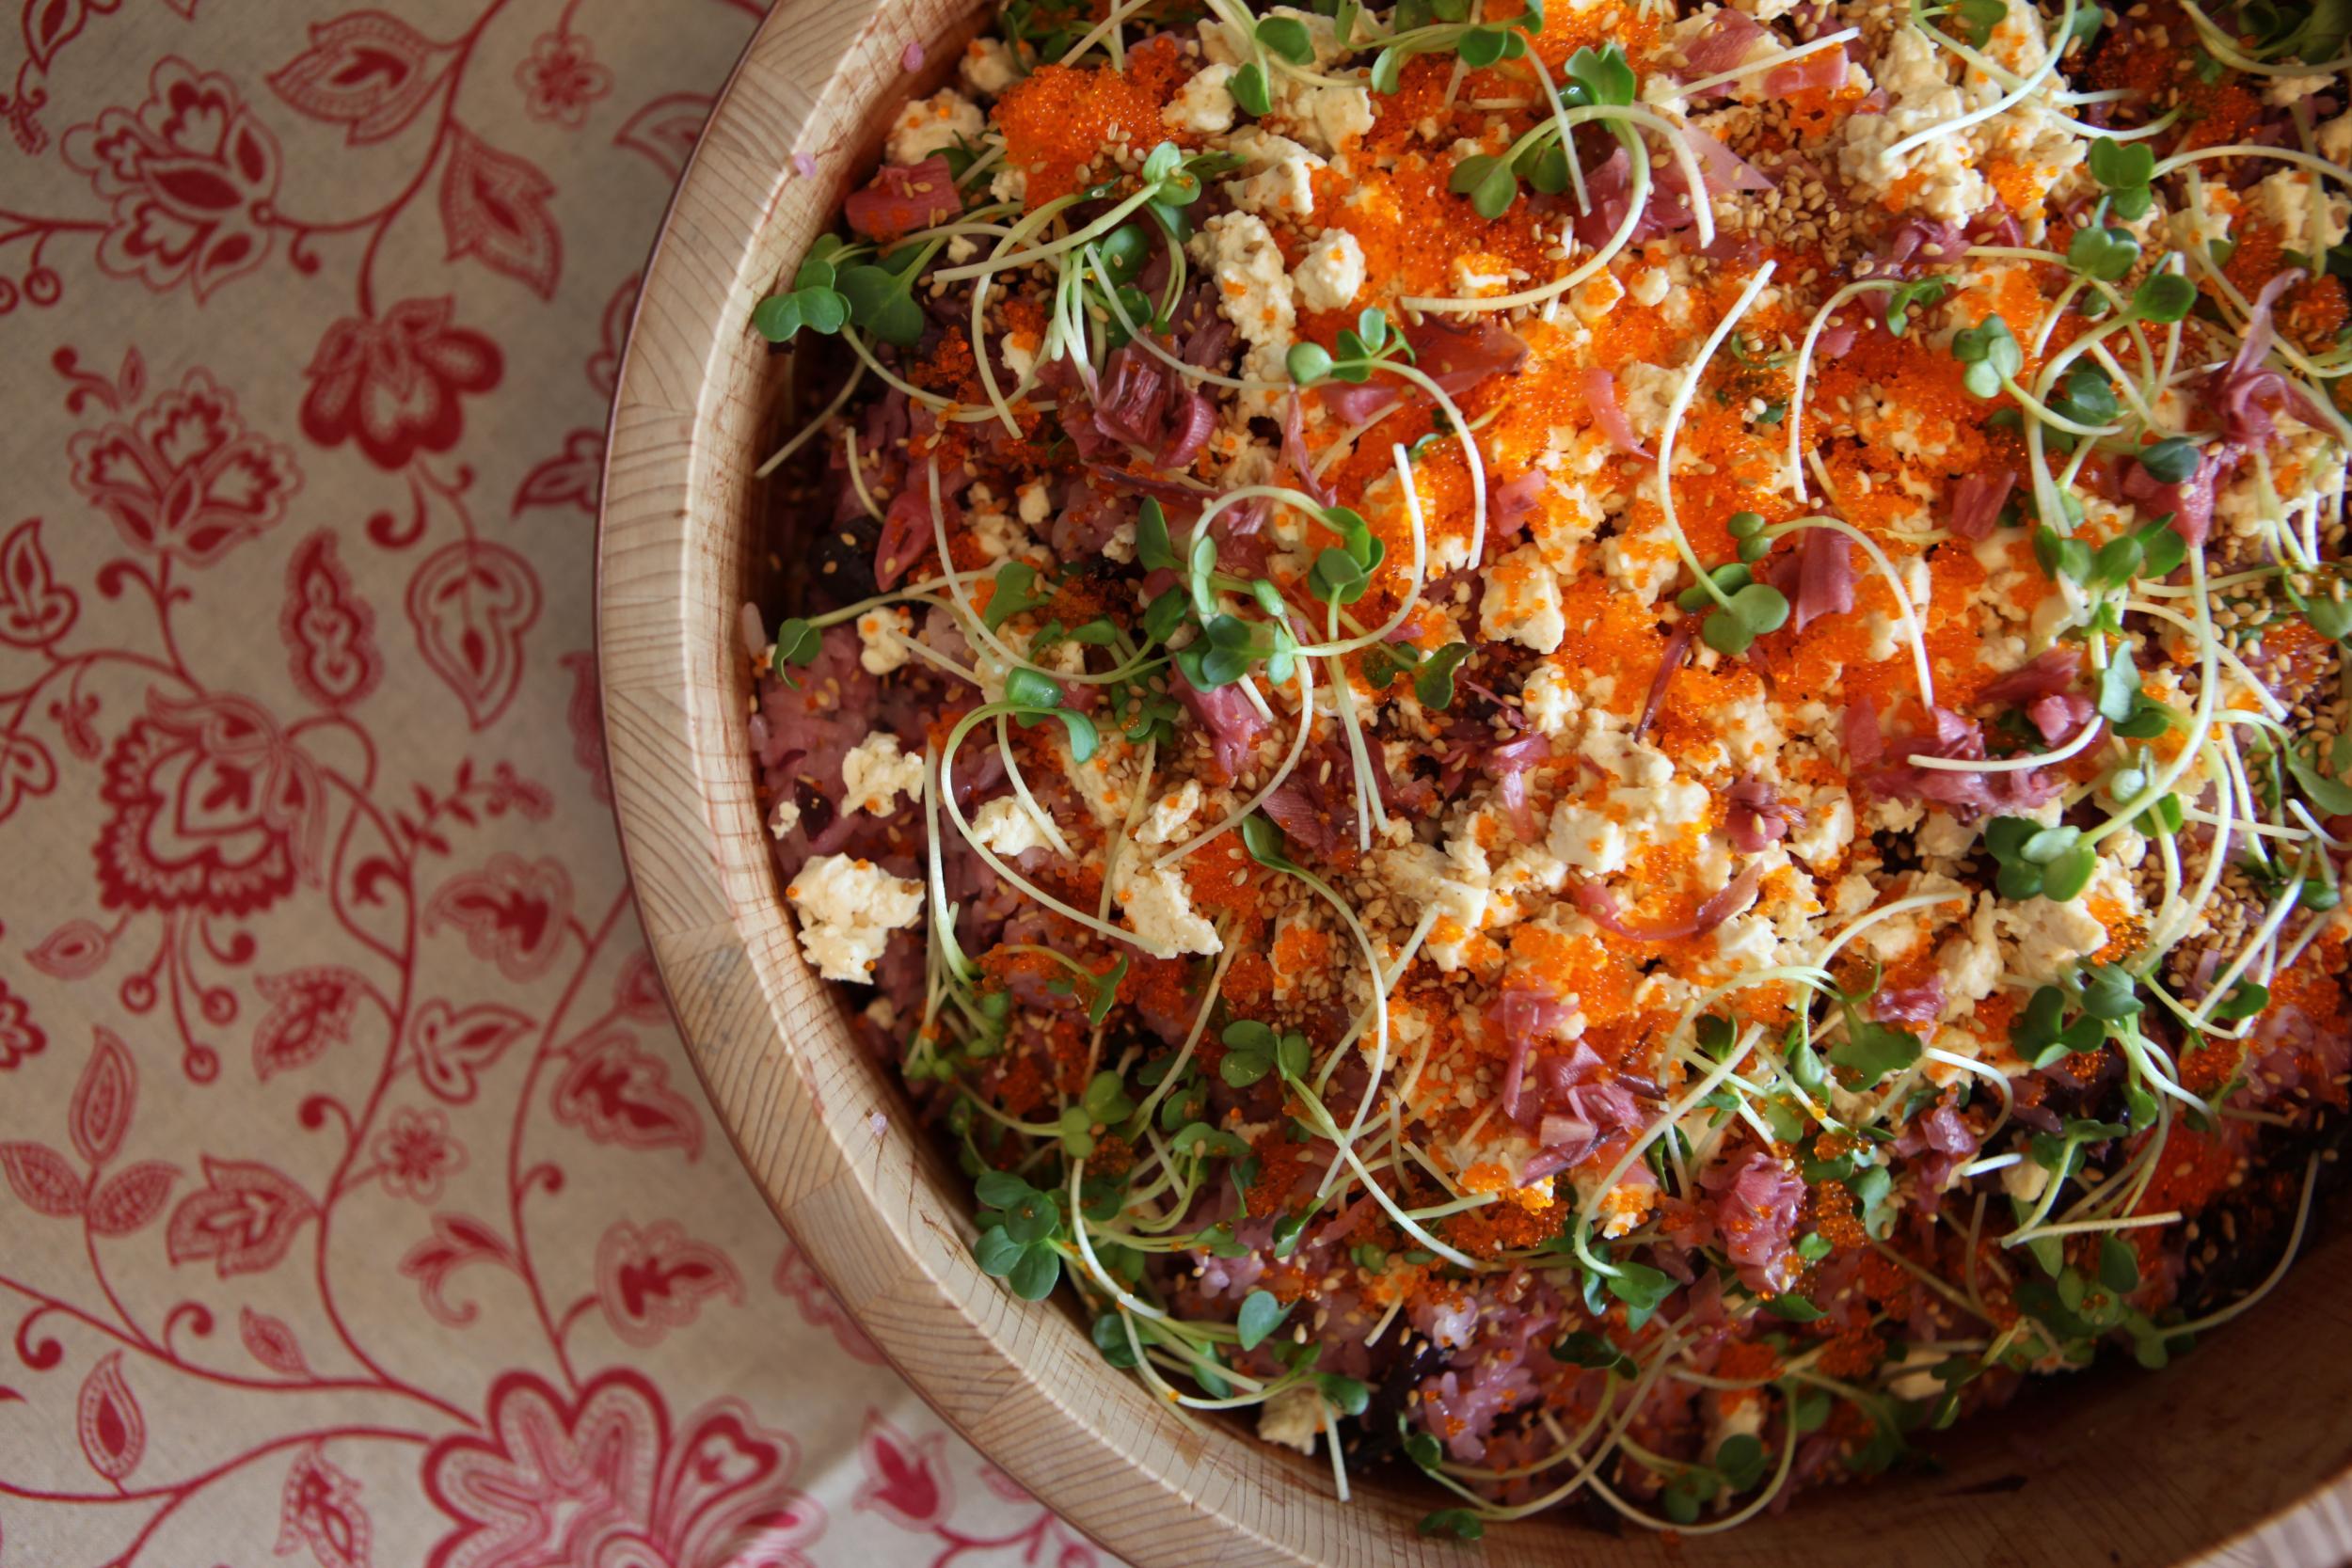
point(20, 1037)
point(561, 79)
point(416, 1152)
point(214, 809)
point(328, 630)
point(513, 912)
point(310, 1011)
point(244, 1220)
point(562, 1484)
point(185, 479)
point(651, 1281)
point(907, 1483)
point(34, 610)
point(620, 1095)
point(394, 385)
point(191, 175)
point(320, 1509)
point(27, 769)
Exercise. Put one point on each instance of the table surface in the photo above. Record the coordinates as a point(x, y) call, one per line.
point(360, 1205)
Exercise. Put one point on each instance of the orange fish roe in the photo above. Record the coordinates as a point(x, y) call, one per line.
point(1059, 120)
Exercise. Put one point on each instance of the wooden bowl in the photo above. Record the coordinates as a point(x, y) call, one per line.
point(2233, 1450)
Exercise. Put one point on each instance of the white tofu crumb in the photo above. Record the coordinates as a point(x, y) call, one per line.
point(988, 66)
point(1291, 1418)
point(1203, 104)
point(876, 773)
point(1006, 827)
point(1159, 908)
point(1169, 814)
point(847, 907)
point(783, 820)
point(1332, 272)
point(934, 124)
point(879, 632)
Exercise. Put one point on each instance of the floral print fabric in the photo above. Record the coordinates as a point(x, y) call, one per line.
point(357, 1204)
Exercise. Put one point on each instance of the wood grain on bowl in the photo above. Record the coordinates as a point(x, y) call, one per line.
point(2235, 1456)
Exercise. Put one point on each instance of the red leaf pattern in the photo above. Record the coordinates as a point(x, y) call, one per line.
point(310, 1009)
point(494, 208)
point(103, 1100)
point(366, 72)
point(512, 912)
point(41, 1179)
point(111, 1427)
point(616, 1093)
point(34, 610)
point(243, 1219)
point(470, 603)
point(651, 1281)
point(74, 950)
point(271, 1342)
point(51, 24)
point(454, 1046)
point(573, 477)
point(130, 1199)
point(906, 1481)
point(320, 1509)
point(457, 1242)
point(328, 630)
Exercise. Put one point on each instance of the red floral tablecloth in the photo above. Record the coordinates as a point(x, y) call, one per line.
point(359, 1204)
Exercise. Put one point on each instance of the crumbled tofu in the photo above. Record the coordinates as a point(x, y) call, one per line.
point(988, 66)
point(847, 907)
point(1169, 814)
point(1159, 908)
point(1281, 179)
point(1203, 104)
point(1332, 272)
point(1550, 698)
point(1035, 505)
point(783, 820)
point(1291, 1418)
point(881, 634)
point(934, 124)
point(1253, 288)
point(1006, 826)
point(1522, 602)
point(876, 773)
point(1590, 840)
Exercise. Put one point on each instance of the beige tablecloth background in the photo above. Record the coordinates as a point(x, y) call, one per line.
point(359, 1204)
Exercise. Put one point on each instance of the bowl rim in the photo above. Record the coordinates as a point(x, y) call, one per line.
point(845, 1176)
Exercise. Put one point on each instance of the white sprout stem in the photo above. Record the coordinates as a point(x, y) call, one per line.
point(1804, 367)
point(1885, 912)
point(1681, 405)
point(840, 399)
point(2008, 101)
point(2081, 743)
point(1914, 632)
point(1085, 1250)
point(1021, 790)
point(1240, 814)
point(1637, 196)
point(1416, 576)
point(1770, 62)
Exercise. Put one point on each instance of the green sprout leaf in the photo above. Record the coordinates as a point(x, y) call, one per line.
point(1259, 1316)
point(1433, 683)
